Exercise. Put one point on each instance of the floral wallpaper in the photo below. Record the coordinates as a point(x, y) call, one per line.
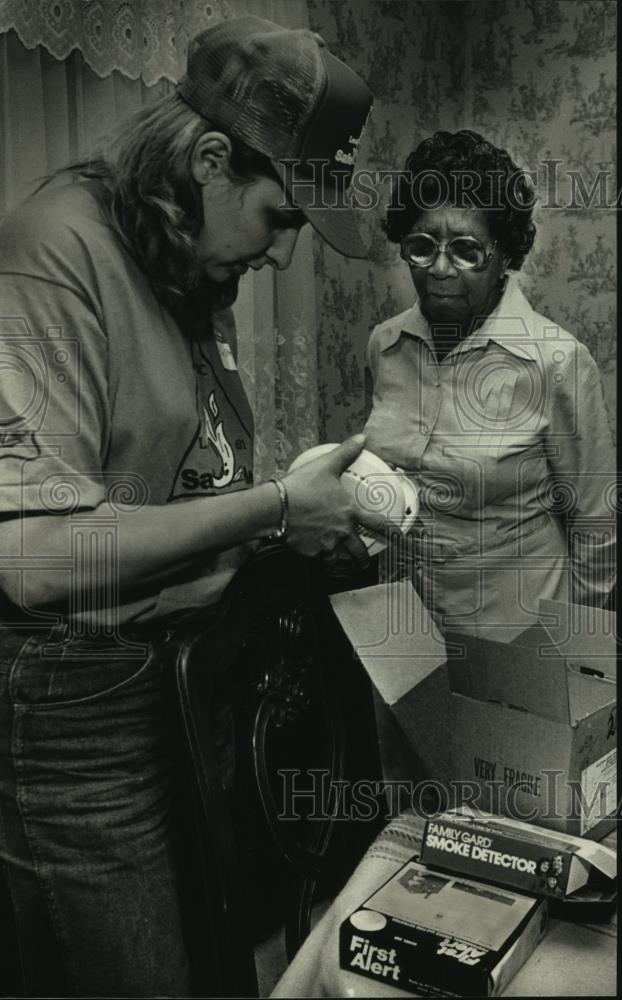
point(534, 76)
point(543, 85)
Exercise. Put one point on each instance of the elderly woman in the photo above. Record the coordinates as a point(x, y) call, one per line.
point(496, 412)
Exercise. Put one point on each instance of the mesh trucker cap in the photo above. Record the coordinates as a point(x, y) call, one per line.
point(284, 94)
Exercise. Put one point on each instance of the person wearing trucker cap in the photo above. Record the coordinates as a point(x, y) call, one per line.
point(116, 279)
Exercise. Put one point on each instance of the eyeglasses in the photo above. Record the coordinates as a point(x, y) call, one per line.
point(465, 252)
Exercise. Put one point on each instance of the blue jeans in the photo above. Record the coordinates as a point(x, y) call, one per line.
point(86, 830)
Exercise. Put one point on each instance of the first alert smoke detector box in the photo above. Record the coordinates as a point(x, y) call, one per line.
point(441, 935)
point(526, 728)
point(508, 852)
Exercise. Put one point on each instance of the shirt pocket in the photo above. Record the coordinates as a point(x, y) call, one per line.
point(496, 419)
point(513, 412)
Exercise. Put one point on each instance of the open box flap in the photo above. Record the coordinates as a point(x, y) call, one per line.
point(591, 853)
point(392, 634)
point(585, 636)
point(600, 857)
point(490, 671)
point(589, 685)
point(587, 695)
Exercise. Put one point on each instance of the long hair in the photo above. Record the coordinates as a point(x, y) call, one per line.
point(151, 199)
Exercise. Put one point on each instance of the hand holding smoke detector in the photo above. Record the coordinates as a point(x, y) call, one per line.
point(375, 488)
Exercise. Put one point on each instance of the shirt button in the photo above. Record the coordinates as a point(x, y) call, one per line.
point(424, 428)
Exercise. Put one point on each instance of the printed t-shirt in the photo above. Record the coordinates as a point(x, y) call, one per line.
point(104, 398)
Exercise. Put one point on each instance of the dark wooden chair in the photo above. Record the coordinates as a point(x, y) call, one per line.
point(273, 719)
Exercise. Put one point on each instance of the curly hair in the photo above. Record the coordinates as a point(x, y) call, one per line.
point(153, 202)
point(464, 170)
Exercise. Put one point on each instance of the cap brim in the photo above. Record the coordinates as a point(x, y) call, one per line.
point(337, 225)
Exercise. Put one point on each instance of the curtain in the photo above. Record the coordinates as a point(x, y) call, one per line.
point(53, 111)
point(70, 69)
point(144, 39)
point(276, 319)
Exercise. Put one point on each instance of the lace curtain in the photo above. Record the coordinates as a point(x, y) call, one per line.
point(70, 69)
point(144, 39)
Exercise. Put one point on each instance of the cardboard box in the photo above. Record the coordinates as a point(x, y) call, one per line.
point(440, 935)
point(506, 852)
point(526, 728)
point(535, 719)
point(404, 654)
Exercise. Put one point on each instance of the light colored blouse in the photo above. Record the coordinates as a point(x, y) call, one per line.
point(508, 441)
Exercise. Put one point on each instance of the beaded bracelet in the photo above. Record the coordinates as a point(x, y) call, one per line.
point(281, 532)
